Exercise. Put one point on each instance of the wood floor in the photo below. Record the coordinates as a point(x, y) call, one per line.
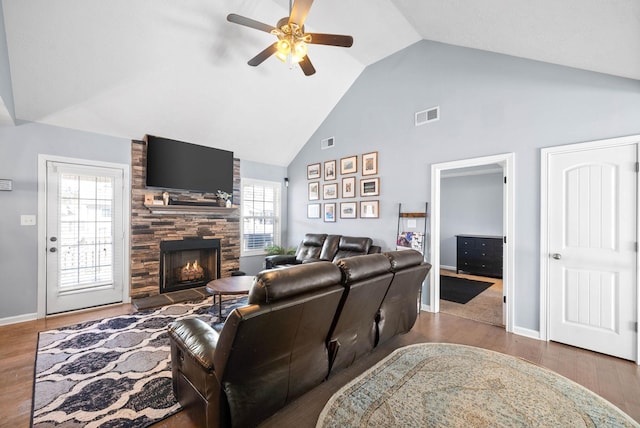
point(616, 380)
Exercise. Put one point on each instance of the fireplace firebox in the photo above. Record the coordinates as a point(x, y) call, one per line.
point(188, 263)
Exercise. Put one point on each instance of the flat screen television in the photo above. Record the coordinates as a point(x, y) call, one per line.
point(178, 165)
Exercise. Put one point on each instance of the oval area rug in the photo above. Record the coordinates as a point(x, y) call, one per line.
point(447, 385)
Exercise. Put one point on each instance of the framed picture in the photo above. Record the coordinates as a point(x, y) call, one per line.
point(313, 171)
point(330, 170)
point(348, 210)
point(330, 191)
point(330, 212)
point(369, 209)
point(313, 210)
point(349, 187)
point(349, 165)
point(314, 190)
point(370, 163)
point(370, 186)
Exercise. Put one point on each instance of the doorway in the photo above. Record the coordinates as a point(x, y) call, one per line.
point(83, 234)
point(589, 229)
point(506, 163)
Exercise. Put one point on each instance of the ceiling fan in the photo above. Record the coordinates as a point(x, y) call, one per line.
point(291, 45)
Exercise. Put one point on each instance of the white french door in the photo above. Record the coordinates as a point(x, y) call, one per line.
point(592, 259)
point(84, 236)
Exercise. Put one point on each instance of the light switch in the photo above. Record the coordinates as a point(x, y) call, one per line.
point(27, 220)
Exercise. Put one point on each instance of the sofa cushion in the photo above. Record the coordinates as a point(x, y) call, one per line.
point(403, 259)
point(350, 246)
point(310, 247)
point(358, 268)
point(272, 285)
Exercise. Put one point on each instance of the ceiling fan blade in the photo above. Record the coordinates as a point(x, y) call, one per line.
point(248, 22)
point(331, 39)
point(300, 11)
point(306, 66)
point(259, 59)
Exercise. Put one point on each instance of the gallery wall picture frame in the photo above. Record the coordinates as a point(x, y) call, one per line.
point(313, 210)
point(313, 171)
point(369, 209)
point(370, 187)
point(349, 165)
point(330, 170)
point(348, 187)
point(348, 210)
point(330, 212)
point(370, 163)
point(314, 190)
point(330, 191)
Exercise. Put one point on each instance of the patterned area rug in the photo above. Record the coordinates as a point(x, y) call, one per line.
point(112, 373)
point(447, 385)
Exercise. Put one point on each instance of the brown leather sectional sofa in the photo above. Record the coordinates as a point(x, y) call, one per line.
point(301, 325)
point(316, 247)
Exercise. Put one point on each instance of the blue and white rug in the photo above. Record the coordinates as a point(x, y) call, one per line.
point(114, 372)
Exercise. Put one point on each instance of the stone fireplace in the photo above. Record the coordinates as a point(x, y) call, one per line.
point(188, 263)
point(149, 227)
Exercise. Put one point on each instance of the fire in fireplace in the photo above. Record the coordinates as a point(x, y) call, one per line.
point(188, 263)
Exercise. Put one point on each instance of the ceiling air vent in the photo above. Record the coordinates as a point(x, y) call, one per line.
point(327, 143)
point(429, 115)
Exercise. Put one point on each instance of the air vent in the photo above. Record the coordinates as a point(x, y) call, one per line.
point(429, 115)
point(327, 143)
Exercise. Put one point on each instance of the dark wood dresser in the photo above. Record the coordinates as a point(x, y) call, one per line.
point(479, 255)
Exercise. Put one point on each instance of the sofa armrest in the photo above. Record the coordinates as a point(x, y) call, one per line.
point(197, 338)
point(280, 259)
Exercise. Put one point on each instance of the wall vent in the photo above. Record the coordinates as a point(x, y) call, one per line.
point(327, 143)
point(430, 115)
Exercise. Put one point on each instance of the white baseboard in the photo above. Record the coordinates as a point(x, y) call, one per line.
point(453, 268)
point(521, 331)
point(18, 318)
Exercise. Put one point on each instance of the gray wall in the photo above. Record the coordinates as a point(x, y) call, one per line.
point(19, 149)
point(490, 104)
point(481, 197)
point(6, 93)
point(251, 265)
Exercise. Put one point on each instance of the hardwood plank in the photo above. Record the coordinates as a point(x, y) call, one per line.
point(616, 380)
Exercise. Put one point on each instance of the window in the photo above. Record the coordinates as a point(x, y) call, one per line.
point(260, 215)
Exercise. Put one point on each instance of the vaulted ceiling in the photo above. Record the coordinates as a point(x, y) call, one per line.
point(178, 68)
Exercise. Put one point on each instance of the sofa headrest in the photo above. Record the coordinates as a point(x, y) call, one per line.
point(352, 243)
point(314, 239)
point(404, 259)
point(278, 284)
point(358, 268)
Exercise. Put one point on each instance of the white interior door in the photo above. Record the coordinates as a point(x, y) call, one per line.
point(85, 240)
point(592, 249)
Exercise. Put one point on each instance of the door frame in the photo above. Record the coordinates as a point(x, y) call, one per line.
point(507, 161)
point(545, 156)
point(42, 223)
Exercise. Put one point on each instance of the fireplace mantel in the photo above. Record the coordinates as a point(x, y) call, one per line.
point(189, 209)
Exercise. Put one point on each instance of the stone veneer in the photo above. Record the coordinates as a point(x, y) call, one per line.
point(148, 229)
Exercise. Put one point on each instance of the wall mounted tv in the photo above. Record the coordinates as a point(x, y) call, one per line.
point(178, 165)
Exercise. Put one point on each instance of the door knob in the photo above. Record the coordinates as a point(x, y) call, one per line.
point(556, 256)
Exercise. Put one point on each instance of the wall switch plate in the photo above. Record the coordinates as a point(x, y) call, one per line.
point(27, 220)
